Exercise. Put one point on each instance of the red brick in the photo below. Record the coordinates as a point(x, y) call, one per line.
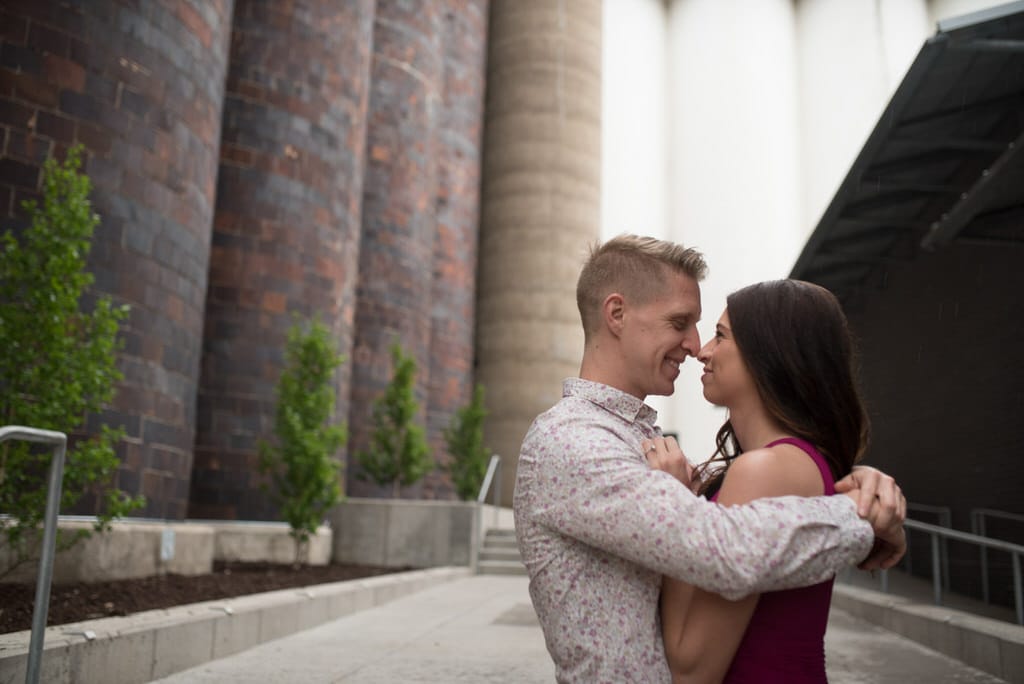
point(97, 140)
point(195, 23)
point(36, 91)
point(64, 73)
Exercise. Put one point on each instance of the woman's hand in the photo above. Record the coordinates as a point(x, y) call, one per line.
point(663, 453)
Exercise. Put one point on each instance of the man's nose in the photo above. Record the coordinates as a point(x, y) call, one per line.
point(691, 343)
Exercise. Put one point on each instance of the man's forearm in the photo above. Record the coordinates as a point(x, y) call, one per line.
point(773, 544)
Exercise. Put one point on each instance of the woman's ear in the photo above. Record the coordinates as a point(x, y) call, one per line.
point(613, 313)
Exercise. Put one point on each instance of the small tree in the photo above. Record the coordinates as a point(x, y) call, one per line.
point(465, 439)
point(303, 465)
point(398, 453)
point(57, 362)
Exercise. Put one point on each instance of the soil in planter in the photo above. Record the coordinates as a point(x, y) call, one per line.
point(81, 601)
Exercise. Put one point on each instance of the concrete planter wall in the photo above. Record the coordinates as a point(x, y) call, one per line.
point(128, 550)
point(384, 532)
point(143, 548)
point(403, 533)
point(253, 541)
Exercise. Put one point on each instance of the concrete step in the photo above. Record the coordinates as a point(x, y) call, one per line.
point(500, 535)
point(488, 553)
point(492, 543)
point(500, 567)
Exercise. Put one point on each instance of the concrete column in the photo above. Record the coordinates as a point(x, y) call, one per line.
point(141, 86)
point(399, 219)
point(453, 296)
point(287, 227)
point(540, 208)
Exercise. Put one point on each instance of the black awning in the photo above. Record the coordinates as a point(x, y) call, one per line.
point(944, 163)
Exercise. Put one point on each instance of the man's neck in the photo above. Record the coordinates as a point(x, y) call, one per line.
point(596, 369)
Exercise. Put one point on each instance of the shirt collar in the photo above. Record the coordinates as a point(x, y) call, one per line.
point(624, 405)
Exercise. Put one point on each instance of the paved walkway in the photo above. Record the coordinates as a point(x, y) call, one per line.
point(483, 630)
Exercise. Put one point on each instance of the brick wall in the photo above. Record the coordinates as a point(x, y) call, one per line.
point(286, 236)
point(398, 224)
point(457, 206)
point(140, 86)
point(943, 363)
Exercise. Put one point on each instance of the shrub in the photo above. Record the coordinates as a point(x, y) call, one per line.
point(465, 439)
point(303, 465)
point(57, 362)
point(398, 454)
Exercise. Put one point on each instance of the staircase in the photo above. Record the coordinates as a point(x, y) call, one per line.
point(499, 554)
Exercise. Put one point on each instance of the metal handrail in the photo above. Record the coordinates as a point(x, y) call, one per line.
point(945, 516)
point(937, 532)
point(492, 467)
point(978, 527)
point(493, 474)
point(59, 442)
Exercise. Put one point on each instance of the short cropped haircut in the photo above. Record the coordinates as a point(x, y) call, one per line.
point(634, 266)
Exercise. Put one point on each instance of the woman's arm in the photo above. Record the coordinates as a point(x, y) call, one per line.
point(702, 630)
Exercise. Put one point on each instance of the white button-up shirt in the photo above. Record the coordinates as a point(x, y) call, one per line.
point(598, 528)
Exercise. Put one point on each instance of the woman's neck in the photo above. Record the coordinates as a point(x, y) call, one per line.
point(754, 428)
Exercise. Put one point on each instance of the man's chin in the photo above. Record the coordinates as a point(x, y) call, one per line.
point(664, 391)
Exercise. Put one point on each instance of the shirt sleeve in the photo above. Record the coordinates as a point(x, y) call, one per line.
point(613, 501)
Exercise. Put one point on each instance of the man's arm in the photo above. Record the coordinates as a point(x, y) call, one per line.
point(614, 502)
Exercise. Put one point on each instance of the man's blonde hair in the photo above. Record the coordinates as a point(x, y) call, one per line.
point(633, 266)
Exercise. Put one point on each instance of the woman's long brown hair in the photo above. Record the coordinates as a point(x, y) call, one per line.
point(795, 340)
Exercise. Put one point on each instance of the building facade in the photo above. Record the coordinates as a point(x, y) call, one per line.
point(254, 161)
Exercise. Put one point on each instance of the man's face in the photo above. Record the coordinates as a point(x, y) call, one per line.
point(658, 336)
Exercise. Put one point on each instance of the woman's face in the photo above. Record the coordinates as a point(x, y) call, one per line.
point(726, 380)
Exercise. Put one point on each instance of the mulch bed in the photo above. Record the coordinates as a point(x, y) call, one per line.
point(80, 601)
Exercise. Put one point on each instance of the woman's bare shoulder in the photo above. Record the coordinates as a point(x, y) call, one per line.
point(780, 470)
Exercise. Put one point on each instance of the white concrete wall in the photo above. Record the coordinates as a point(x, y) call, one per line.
point(852, 56)
point(735, 184)
point(636, 158)
point(767, 104)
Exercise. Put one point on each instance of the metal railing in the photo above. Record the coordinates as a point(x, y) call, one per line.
point(59, 441)
point(945, 519)
point(936, 533)
point(978, 516)
point(493, 474)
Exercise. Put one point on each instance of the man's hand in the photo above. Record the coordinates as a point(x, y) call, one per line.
point(880, 502)
point(663, 453)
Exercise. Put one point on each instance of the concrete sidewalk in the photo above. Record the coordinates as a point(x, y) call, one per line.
point(483, 629)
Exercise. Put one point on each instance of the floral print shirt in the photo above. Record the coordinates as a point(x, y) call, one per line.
point(597, 528)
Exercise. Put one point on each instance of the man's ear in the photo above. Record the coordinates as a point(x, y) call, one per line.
point(613, 313)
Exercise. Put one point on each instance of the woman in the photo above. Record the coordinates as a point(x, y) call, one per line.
point(781, 361)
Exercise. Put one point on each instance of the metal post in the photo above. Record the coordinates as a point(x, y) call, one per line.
point(885, 581)
point(497, 493)
point(907, 562)
point(474, 538)
point(59, 441)
point(1018, 592)
point(946, 520)
point(936, 569)
point(978, 527)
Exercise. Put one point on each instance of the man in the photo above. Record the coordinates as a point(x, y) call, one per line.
point(598, 527)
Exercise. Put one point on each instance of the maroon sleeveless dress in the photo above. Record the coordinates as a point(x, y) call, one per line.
point(785, 640)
